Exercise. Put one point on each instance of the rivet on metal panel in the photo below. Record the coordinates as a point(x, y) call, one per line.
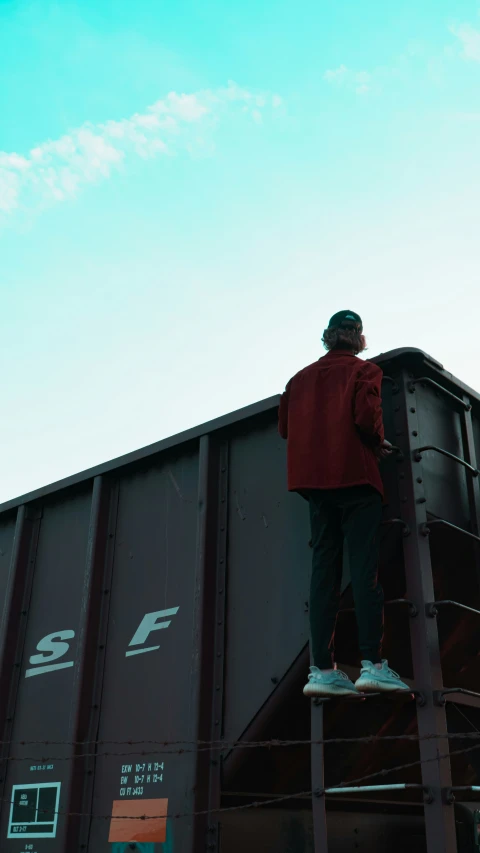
point(101, 646)
point(110, 535)
point(219, 622)
point(421, 501)
point(425, 530)
point(413, 410)
point(414, 432)
point(419, 480)
point(223, 470)
point(106, 591)
point(220, 590)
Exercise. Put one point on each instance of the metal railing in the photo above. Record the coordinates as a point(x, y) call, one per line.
point(425, 380)
point(439, 695)
point(425, 528)
point(431, 608)
point(418, 457)
point(367, 789)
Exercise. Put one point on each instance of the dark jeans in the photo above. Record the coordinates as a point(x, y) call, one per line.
point(352, 515)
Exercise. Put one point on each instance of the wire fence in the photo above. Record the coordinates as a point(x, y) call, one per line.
point(186, 747)
point(263, 802)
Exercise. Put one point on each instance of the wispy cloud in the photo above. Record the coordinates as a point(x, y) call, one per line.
point(357, 81)
point(56, 170)
point(470, 41)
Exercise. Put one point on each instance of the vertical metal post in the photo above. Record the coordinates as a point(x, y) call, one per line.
point(13, 625)
point(473, 483)
point(84, 717)
point(209, 635)
point(320, 840)
point(436, 773)
point(219, 645)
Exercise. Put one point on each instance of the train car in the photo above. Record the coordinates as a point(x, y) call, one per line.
point(154, 647)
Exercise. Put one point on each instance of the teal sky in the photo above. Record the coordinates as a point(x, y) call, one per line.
point(189, 190)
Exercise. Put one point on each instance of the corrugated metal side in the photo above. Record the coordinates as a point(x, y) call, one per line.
point(146, 680)
point(54, 563)
point(268, 573)
point(109, 655)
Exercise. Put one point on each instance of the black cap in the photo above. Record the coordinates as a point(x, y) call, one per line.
point(346, 320)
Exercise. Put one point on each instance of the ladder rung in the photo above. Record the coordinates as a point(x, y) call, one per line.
point(432, 607)
point(360, 789)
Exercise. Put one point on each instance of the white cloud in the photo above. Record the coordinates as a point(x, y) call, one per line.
point(470, 41)
point(336, 76)
point(56, 170)
point(358, 81)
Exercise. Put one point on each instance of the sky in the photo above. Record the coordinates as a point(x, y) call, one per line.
point(190, 189)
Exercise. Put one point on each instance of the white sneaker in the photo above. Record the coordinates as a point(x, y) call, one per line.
point(384, 680)
point(327, 684)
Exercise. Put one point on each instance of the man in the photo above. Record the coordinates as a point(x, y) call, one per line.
point(331, 414)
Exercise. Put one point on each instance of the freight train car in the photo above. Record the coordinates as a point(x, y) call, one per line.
point(154, 646)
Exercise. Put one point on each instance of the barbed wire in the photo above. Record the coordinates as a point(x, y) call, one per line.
point(259, 803)
point(221, 745)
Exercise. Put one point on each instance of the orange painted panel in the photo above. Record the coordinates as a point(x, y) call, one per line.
point(125, 825)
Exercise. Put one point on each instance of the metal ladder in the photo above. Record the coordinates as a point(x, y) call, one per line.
point(431, 695)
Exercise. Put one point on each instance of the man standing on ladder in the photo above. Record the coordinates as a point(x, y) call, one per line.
point(331, 415)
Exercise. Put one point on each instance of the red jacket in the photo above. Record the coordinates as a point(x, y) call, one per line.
point(331, 414)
